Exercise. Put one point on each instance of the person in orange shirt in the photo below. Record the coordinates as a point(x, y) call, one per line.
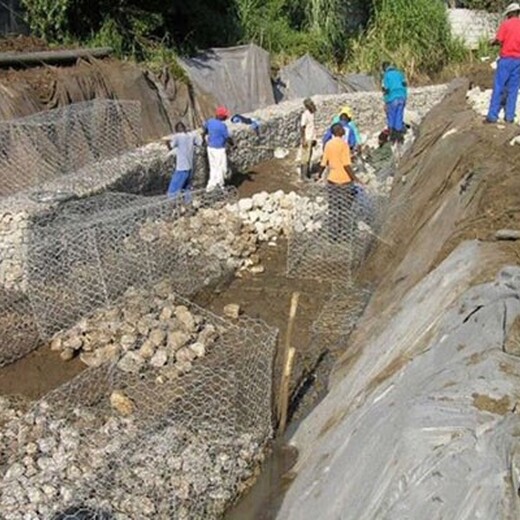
point(340, 180)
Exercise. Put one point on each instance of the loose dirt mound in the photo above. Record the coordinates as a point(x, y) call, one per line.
point(22, 43)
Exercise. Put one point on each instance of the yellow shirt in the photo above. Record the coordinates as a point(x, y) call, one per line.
point(337, 156)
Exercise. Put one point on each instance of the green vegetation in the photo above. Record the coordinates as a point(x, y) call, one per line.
point(414, 35)
point(353, 34)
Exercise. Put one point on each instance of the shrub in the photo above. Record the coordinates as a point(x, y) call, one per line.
point(414, 35)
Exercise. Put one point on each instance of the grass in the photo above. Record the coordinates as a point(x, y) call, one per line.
point(415, 36)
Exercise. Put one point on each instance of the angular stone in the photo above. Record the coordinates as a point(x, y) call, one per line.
point(507, 234)
point(166, 314)
point(131, 362)
point(257, 269)
point(67, 354)
point(198, 349)
point(101, 355)
point(232, 310)
point(159, 359)
point(157, 337)
point(184, 355)
point(128, 341)
point(185, 318)
point(245, 205)
point(56, 344)
point(147, 350)
point(73, 343)
point(122, 404)
point(177, 339)
point(208, 335)
point(184, 367)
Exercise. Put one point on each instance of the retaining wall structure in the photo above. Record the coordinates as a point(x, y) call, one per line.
point(148, 168)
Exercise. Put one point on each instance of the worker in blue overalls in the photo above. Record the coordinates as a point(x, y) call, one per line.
point(395, 89)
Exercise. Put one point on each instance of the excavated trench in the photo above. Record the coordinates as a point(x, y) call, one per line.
point(265, 296)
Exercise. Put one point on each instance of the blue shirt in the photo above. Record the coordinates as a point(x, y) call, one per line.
point(394, 83)
point(218, 133)
point(185, 144)
point(349, 137)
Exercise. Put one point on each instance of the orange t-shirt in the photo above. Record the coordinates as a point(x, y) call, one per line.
point(336, 156)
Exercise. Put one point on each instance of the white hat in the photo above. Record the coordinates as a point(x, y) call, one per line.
point(511, 8)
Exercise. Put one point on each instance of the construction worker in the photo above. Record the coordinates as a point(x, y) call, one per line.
point(339, 181)
point(395, 89)
point(507, 75)
point(218, 138)
point(307, 138)
point(352, 136)
point(184, 143)
point(346, 117)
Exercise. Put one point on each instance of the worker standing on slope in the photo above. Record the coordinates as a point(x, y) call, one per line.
point(217, 137)
point(184, 142)
point(507, 75)
point(340, 178)
point(307, 138)
point(395, 89)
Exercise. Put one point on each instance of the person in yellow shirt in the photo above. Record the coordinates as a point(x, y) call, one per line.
point(339, 180)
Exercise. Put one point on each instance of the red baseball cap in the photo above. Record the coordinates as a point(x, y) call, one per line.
point(222, 112)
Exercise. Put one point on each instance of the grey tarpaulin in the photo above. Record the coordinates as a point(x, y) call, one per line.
point(238, 77)
point(358, 83)
point(426, 420)
point(306, 77)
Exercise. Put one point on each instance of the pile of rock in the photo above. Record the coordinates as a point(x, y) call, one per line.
point(85, 458)
point(273, 214)
point(147, 329)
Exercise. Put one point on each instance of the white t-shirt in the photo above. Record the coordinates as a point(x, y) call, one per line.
point(307, 122)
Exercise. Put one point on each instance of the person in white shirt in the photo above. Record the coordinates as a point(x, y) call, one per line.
point(307, 138)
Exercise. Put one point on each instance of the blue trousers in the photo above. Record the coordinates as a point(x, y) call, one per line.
point(395, 114)
point(507, 83)
point(181, 181)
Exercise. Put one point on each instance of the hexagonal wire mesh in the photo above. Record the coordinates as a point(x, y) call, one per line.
point(51, 144)
point(160, 442)
point(339, 315)
point(329, 242)
point(85, 256)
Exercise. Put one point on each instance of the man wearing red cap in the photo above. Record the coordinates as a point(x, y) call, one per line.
point(217, 137)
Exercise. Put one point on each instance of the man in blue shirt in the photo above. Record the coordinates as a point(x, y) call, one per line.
point(395, 90)
point(350, 135)
point(184, 143)
point(217, 137)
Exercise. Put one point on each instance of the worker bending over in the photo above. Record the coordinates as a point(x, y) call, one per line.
point(218, 138)
point(507, 75)
point(395, 89)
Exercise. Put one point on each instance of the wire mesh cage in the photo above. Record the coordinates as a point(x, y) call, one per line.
point(48, 145)
point(86, 255)
point(175, 439)
point(340, 314)
point(331, 240)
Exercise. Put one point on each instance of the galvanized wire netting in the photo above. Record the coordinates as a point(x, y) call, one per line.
point(47, 145)
point(340, 314)
point(85, 256)
point(329, 242)
point(164, 441)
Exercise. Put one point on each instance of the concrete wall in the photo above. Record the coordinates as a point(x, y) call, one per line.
point(473, 26)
